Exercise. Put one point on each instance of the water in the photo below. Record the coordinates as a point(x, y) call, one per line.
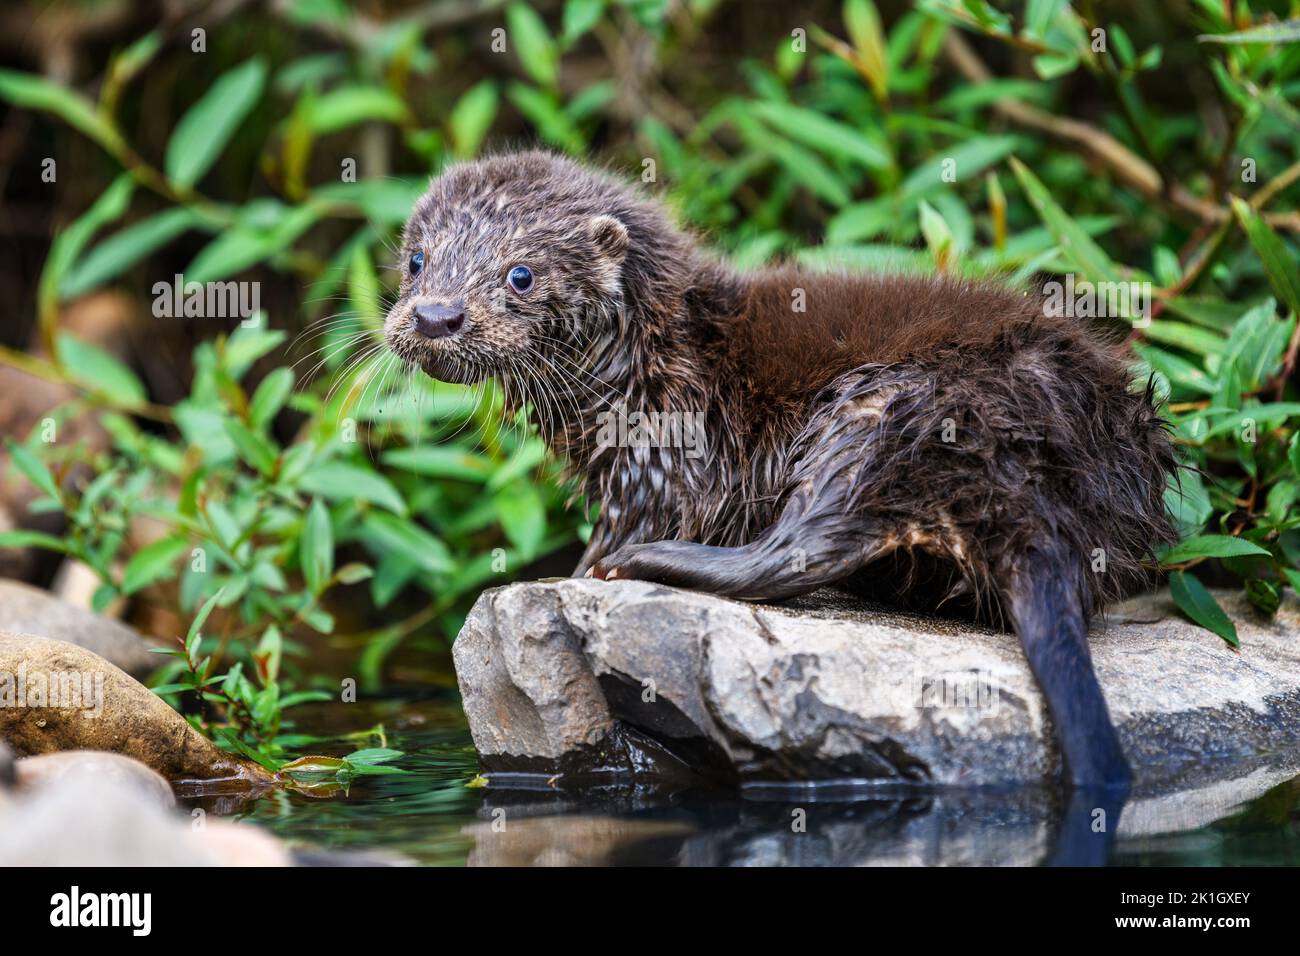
point(430, 816)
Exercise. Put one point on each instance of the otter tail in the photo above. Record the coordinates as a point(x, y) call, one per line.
point(1044, 599)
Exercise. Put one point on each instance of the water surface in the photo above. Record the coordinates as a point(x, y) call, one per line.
point(432, 814)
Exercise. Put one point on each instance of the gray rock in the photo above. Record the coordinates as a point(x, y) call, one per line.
point(47, 769)
point(28, 610)
point(633, 679)
point(82, 816)
point(80, 819)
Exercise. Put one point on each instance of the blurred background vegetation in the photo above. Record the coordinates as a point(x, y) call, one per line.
point(337, 520)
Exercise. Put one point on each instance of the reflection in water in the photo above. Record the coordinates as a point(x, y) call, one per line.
point(428, 815)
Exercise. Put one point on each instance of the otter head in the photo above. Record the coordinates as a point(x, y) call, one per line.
point(507, 261)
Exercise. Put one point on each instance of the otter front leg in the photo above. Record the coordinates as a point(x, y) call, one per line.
point(776, 565)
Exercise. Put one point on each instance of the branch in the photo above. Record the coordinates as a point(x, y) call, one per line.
point(1129, 167)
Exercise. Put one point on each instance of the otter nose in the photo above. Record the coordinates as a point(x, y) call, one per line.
point(437, 321)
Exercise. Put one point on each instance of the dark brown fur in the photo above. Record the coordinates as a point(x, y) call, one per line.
point(924, 437)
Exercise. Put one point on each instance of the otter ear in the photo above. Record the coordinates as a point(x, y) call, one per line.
point(610, 236)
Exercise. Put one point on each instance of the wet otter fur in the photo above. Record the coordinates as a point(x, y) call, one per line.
point(927, 439)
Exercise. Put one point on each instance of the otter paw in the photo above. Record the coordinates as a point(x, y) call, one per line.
point(630, 561)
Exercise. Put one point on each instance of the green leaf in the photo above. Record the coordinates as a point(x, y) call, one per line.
point(1265, 596)
point(1177, 369)
point(316, 547)
point(246, 345)
point(125, 248)
point(354, 573)
point(1039, 15)
point(253, 239)
point(208, 125)
point(1199, 605)
point(152, 563)
point(803, 166)
point(1210, 546)
point(1256, 345)
point(393, 574)
point(363, 289)
point(196, 626)
point(472, 117)
point(386, 201)
point(271, 394)
point(987, 93)
point(313, 765)
point(371, 770)
point(349, 105)
point(68, 244)
point(1076, 245)
point(1193, 338)
point(1287, 31)
point(37, 93)
point(822, 133)
point(1279, 265)
point(33, 468)
point(866, 257)
point(231, 739)
point(270, 649)
point(1166, 267)
point(1269, 414)
point(99, 371)
point(254, 447)
point(938, 237)
point(408, 540)
point(1293, 577)
point(32, 539)
point(862, 220)
point(533, 44)
point(373, 755)
point(969, 159)
point(543, 111)
point(862, 21)
point(340, 481)
point(523, 516)
point(579, 17)
point(440, 462)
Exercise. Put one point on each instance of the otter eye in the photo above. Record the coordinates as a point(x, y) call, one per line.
point(416, 263)
point(520, 278)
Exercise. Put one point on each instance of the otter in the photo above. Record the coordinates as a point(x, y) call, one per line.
point(932, 440)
